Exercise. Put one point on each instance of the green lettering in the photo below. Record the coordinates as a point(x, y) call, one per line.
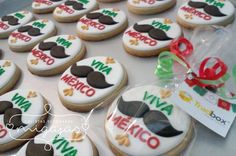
point(39, 24)
point(109, 13)
point(63, 42)
point(19, 15)
point(168, 109)
point(21, 102)
point(72, 153)
point(1, 71)
point(101, 67)
point(84, 1)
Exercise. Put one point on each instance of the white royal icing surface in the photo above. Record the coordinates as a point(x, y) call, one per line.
point(6, 28)
point(149, 3)
point(94, 27)
point(190, 17)
point(178, 119)
point(30, 117)
point(83, 147)
point(89, 6)
point(115, 77)
point(9, 72)
point(42, 65)
point(151, 44)
point(45, 4)
point(46, 30)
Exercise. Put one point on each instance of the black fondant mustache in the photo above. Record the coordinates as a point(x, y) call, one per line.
point(104, 19)
point(12, 116)
point(55, 0)
point(154, 120)
point(94, 79)
point(11, 20)
point(154, 33)
point(38, 149)
point(75, 5)
point(31, 30)
point(209, 9)
point(55, 50)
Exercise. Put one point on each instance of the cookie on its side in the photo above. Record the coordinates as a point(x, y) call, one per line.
point(54, 55)
point(23, 113)
point(143, 117)
point(102, 24)
point(150, 37)
point(203, 13)
point(109, 1)
point(13, 21)
point(45, 6)
point(26, 37)
point(73, 10)
point(9, 75)
point(90, 83)
point(50, 144)
point(143, 7)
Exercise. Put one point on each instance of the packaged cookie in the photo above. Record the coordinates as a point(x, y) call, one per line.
point(102, 24)
point(9, 75)
point(91, 83)
point(73, 10)
point(54, 55)
point(143, 117)
point(150, 37)
point(22, 115)
point(26, 37)
point(13, 21)
point(45, 6)
point(145, 7)
point(204, 12)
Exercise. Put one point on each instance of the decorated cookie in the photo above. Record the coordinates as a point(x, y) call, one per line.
point(11, 22)
point(22, 114)
point(150, 37)
point(205, 12)
point(45, 6)
point(102, 24)
point(142, 117)
point(54, 55)
point(91, 83)
point(149, 6)
point(59, 144)
point(109, 1)
point(9, 75)
point(27, 36)
point(73, 10)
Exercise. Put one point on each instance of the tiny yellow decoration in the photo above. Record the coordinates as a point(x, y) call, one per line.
point(110, 60)
point(115, 9)
point(185, 96)
point(34, 61)
point(76, 137)
point(13, 40)
point(68, 92)
point(59, 11)
point(188, 16)
point(31, 94)
point(71, 37)
point(168, 21)
point(123, 140)
point(134, 41)
point(25, 12)
point(85, 27)
point(37, 4)
point(45, 20)
point(7, 64)
point(165, 93)
point(136, 1)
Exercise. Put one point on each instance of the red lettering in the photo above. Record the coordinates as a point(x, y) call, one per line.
point(196, 13)
point(141, 37)
point(3, 132)
point(141, 136)
point(21, 36)
point(66, 9)
point(44, 2)
point(153, 142)
point(3, 26)
point(42, 56)
point(92, 23)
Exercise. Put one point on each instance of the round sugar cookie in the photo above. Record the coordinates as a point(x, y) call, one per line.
point(54, 55)
point(109, 1)
point(143, 117)
point(22, 114)
point(9, 75)
point(59, 144)
point(203, 12)
point(13, 21)
point(90, 83)
point(145, 7)
point(102, 24)
point(150, 37)
point(26, 37)
point(45, 6)
point(73, 10)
